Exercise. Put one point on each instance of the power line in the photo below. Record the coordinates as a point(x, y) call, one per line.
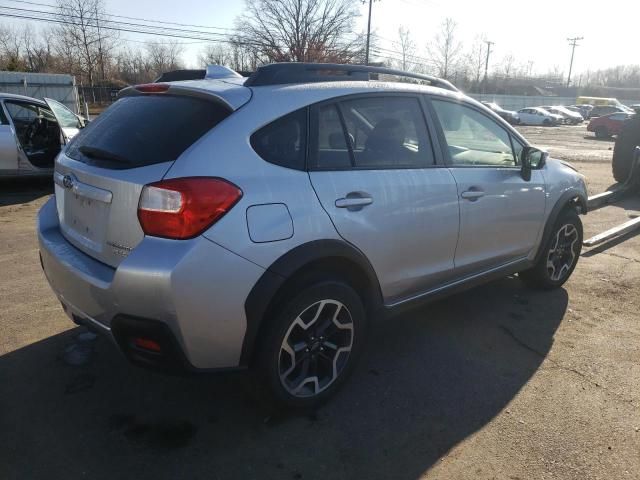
point(129, 27)
point(97, 18)
point(132, 18)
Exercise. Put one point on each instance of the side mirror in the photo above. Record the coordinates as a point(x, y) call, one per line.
point(532, 159)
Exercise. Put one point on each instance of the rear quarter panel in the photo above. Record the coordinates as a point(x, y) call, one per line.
point(226, 152)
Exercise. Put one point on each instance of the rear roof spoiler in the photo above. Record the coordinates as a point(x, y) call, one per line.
point(212, 72)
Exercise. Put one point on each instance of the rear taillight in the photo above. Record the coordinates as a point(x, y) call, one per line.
point(182, 208)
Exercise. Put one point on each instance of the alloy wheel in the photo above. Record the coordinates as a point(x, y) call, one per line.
point(316, 348)
point(562, 254)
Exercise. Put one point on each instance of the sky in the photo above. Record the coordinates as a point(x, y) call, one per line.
point(533, 31)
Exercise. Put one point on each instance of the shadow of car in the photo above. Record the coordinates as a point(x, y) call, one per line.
point(428, 380)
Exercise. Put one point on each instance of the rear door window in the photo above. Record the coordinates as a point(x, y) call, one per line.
point(387, 132)
point(144, 130)
point(328, 149)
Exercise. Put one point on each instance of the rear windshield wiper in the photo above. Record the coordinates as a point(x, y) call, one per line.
point(100, 154)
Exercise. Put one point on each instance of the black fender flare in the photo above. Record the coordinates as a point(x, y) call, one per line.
point(568, 198)
point(266, 288)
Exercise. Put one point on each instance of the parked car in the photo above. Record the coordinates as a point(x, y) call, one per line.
point(508, 115)
point(569, 117)
point(608, 125)
point(575, 109)
point(32, 132)
point(599, 111)
point(539, 116)
point(584, 110)
point(250, 223)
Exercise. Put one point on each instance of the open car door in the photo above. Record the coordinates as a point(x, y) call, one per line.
point(70, 123)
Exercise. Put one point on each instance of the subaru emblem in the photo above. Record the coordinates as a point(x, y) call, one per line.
point(67, 182)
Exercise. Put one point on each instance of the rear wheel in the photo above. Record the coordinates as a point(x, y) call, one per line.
point(560, 254)
point(602, 132)
point(312, 345)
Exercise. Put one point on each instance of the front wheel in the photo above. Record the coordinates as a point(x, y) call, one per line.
point(559, 256)
point(312, 345)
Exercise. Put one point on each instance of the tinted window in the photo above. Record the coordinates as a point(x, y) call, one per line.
point(144, 130)
point(473, 138)
point(387, 132)
point(283, 142)
point(329, 150)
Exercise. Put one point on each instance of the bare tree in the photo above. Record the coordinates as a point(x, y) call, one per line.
point(475, 58)
point(133, 66)
point(445, 48)
point(215, 53)
point(507, 65)
point(11, 49)
point(298, 30)
point(164, 57)
point(407, 48)
point(81, 31)
point(38, 53)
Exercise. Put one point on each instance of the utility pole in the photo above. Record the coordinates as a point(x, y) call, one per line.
point(100, 53)
point(366, 52)
point(486, 65)
point(574, 43)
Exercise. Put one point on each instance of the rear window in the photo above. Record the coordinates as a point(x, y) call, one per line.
point(145, 130)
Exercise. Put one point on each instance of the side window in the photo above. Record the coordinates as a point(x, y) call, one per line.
point(22, 112)
point(328, 145)
point(517, 149)
point(283, 141)
point(387, 132)
point(66, 117)
point(3, 117)
point(472, 138)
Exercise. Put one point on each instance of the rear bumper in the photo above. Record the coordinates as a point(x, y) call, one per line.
point(195, 288)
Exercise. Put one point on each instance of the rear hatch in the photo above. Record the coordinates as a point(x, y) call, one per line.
point(99, 176)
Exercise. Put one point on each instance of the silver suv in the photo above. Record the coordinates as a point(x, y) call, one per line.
point(264, 222)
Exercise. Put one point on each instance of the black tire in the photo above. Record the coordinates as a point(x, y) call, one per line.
point(312, 346)
point(602, 132)
point(566, 234)
point(546, 122)
point(624, 148)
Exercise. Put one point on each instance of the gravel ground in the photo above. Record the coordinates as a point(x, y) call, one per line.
point(496, 383)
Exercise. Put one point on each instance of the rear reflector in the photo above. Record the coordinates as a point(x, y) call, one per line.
point(146, 344)
point(152, 87)
point(182, 208)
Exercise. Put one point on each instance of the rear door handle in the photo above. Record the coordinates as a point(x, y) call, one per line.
point(354, 201)
point(472, 195)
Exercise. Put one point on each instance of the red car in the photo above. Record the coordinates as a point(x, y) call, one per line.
point(607, 125)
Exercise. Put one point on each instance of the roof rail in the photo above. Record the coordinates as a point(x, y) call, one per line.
point(293, 72)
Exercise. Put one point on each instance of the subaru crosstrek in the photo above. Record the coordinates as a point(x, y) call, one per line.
point(264, 222)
